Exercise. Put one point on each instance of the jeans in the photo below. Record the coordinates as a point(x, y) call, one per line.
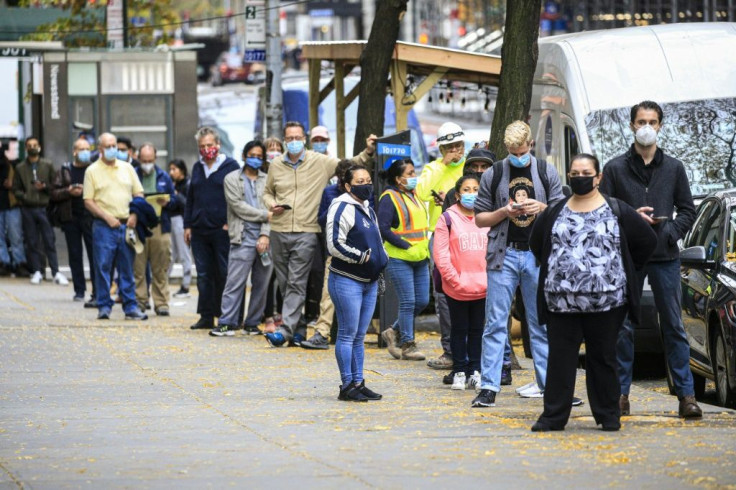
point(519, 268)
point(440, 306)
point(411, 282)
point(354, 304)
point(11, 228)
point(37, 229)
point(111, 250)
point(210, 249)
point(180, 251)
point(78, 233)
point(244, 260)
point(664, 278)
point(467, 319)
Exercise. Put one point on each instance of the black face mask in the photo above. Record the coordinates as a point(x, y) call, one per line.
point(581, 185)
point(362, 192)
point(34, 152)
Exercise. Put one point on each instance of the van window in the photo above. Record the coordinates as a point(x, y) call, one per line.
point(571, 146)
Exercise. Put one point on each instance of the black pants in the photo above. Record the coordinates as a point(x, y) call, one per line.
point(565, 332)
point(210, 250)
point(78, 231)
point(467, 319)
point(37, 228)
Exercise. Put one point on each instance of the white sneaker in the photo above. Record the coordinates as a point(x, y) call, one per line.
point(61, 279)
point(525, 387)
point(474, 381)
point(533, 392)
point(458, 382)
point(36, 278)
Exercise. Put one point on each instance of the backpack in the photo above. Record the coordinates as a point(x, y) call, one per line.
point(436, 276)
point(498, 173)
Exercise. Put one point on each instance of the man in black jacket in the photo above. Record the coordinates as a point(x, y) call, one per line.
point(655, 185)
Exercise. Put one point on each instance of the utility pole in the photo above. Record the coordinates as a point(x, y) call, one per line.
point(274, 100)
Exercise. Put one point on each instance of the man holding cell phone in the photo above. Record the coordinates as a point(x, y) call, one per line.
point(655, 184)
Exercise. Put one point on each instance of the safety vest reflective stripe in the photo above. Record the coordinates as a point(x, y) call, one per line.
point(406, 229)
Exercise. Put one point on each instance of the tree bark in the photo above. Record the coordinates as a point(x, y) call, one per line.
point(374, 67)
point(519, 58)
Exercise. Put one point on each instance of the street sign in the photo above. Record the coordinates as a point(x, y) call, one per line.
point(255, 31)
point(14, 52)
point(115, 24)
point(254, 55)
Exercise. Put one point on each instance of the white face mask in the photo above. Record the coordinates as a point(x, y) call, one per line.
point(147, 168)
point(646, 135)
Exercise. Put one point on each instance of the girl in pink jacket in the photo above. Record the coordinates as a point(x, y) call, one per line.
point(460, 258)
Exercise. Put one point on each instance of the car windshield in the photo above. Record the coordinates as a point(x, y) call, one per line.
point(702, 134)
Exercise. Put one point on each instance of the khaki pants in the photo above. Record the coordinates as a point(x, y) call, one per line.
point(157, 252)
point(326, 308)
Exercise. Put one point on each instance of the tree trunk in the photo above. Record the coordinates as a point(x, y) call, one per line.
point(519, 57)
point(374, 67)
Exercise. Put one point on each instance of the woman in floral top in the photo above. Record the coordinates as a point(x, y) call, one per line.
point(589, 247)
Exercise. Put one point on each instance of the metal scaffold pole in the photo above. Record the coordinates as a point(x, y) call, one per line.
point(274, 102)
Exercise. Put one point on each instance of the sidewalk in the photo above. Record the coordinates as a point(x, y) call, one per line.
point(153, 405)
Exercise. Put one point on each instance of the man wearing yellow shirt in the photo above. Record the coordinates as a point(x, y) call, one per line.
point(109, 187)
point(438, 177)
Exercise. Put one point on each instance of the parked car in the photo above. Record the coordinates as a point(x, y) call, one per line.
point(229, 68)
point(709, 295)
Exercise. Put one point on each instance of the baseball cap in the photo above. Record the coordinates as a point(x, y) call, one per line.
point(319, 131)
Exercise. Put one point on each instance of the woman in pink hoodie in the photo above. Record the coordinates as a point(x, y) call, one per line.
point(460, 258)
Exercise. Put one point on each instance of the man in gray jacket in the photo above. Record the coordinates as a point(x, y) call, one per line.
point(249, 230)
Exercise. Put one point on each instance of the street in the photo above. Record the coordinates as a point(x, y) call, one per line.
point(149, 404)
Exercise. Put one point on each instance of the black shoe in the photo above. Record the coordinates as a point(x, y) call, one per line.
point(543, 427)
point(136, 315)
point(22, 271)
point(78, 298)
point(577, 402)
point(203, 323)
point(368, 393)
point(223, 330)
point(486, 398)
point(162, 311)
point(611, 427)
point(316, 341)
point(448, 379)
point(182, 293)
point(251, 330)
point(91, 303)
point(4, 270)
point(103, 315)
point(352, 394)
point(506, 376)
point(689, 408)
point(297, 339)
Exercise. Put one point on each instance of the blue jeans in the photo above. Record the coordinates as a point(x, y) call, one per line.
point(110, 249)
point(354, 303)
point(664, 278)
point(210, 249)
point(411, 281)
point(11, 228)
point(519, 268)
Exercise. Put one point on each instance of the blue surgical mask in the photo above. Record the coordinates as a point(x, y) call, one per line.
point(123, 155)
point(520, 162)
point(111, 153)
point(295, 147)
point(254, 162)
point(411, 183)
point(320, 147)
point(84, 156)
point(468, 200)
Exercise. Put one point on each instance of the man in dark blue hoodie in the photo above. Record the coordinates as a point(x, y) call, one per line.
point(655, 185)
point(205, 224)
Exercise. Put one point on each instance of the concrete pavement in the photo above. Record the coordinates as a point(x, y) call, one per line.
point(116, 404)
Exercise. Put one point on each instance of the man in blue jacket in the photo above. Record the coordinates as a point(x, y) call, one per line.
point(157, 247)
point(655, 184)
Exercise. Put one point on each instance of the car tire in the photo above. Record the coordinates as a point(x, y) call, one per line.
point(725, 393)
point(698, 385)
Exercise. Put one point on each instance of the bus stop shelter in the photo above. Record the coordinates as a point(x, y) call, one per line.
point(428, 64)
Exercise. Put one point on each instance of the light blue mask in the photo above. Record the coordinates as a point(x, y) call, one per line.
point(520, 162)
point(123, 155)
point(320, 147)
point(468, 200)
point(411, 183)
point(111, 153)
point(295, 147)
point(84, 156)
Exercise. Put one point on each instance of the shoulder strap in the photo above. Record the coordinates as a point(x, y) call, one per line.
point(497, 174)
point(542, 171)
point(448, 221)
point(615, 207)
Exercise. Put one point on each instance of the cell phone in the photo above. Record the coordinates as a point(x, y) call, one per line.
point(518, 205)
point(436, 196)
point(285, 206)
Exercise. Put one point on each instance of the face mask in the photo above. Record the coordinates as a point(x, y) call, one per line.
point(84, 156)
point(254, 162)
point(34, 152)
point(646, 135)
point(271, 155)
point(147, 168)
point(110, 154)
point(411, 183)
point(209, 153)
point(581, 185)
point(520, 162)
point(458, 163)
point(362, 192)
point(295, 147)
point(123, 155)
point(468, 200)
point(320, 147)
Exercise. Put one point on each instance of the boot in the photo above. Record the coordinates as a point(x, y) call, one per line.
point(389, 337)
point(409, 352)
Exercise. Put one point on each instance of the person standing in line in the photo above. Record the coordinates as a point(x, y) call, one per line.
point(403, 221)
point(180, 252)
point(12, 260)
point(274, 301)
point(358, 258)
point(656, 184)
point(76, 221)
point(126, 152)
point(248, 227)
point(205, 224)
point(460, 257)
point(34, 179)
point(589, 247)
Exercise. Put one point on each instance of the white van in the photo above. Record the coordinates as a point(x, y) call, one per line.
point(586, 83)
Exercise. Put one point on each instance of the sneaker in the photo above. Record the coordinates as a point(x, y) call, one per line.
point(251, 330)
point(443, 362)
point(689, 408)
point(389, 337)
point(162, 311)
point(61, 279)
point(182, 293)
point(624, 405)
point(447, 379)
point(36, 278)
point(222, 330)
point(458, 382)
point(533, 392)
point(486, 398)
point(316, 341)
point(525, 387)
point(297, 339)
point(91, 303)
point(351, 394)
point(4, 270)
point(78, 298)
point(103, 315)
point(409, 352)
point(203, 323)
point(577, 402)
point(136, 315)
point(275, 339)
point(474, 381)
point(506, 378)
point(368, 393)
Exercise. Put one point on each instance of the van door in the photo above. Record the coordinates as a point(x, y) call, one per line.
point(570, 146)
